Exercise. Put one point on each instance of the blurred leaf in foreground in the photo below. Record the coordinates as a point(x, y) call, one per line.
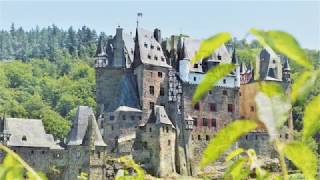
point(208, 46)
point(303, 85)
point(284, 43)
point(273, 112)
point(311, 119)
point(224, 139)
point(210, 79)
point(302, 157)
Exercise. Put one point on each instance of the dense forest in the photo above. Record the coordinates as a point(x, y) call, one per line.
point(46, 73)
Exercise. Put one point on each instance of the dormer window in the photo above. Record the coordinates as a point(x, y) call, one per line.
point(152, 46)
point(149, 56)
point(155, 57)
point(145, 45)
point(24, 138)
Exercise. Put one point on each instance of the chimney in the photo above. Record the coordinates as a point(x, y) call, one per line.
point(157, 34)
point(119, 32)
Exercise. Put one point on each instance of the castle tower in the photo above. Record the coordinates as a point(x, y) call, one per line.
point(85, 146)
point(151, 69)
point(155, 147)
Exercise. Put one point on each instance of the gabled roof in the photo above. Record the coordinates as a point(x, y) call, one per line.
point(150, 50)
point(81, 126)
point(29, 133)
point(191, 46)
point(159, 116)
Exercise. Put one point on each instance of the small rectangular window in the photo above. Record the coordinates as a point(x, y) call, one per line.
point(195, 66)
point(207, 137)
point(230, 107)
point(169, 142)
point(162, 59)
point(145, 45)
point(149, 57)
point(199, 137)
point(212, 107)
point(161, 91)
point(204, 122)
point(252, 109)
point(194, 78)
point(213, 123)
point(196, 107)
point(123, 117)
point(111, 118)
point(151, 90)
point(159, 74)
point(219, 57)
point(195, 122)
point(152, 46)
point(224, 92)
point(155, 57)
point(158, 48)
point(151, 105)
point(224, 81)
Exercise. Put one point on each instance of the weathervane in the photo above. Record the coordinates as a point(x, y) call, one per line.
point(139, 14)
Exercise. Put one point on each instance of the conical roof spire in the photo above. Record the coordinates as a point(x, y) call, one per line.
point(100, 48)
point(286, 65)
point(234, 59)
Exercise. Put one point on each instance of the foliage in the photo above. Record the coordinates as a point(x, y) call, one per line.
point(51, 42)
point(225, 138)
point(307, 163)
point(13, 167)
point(274, 107)
point(129, 163)
point(210, 44)
point(45, 90)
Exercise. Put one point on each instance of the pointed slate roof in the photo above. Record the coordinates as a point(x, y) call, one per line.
point(150, 50)
point(100, 49)
point(29, 133)
point(159, 116)
point(286, 65)
point(234, 59)
point(243, 68)
point(80, 127)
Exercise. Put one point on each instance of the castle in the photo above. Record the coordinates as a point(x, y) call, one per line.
point(144, 89)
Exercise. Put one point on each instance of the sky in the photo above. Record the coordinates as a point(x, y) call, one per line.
point(197, 19)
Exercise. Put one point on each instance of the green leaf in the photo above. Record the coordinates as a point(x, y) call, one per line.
point(284, 43)
point(238, 170)
point(311, 119)
point(210, 79)
point(271, 88)
point(273, 112)
point(234, 153)
point(225, 138)
point(302, 157)
point(303, 85)
point(10, 161)
point(209, 45)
